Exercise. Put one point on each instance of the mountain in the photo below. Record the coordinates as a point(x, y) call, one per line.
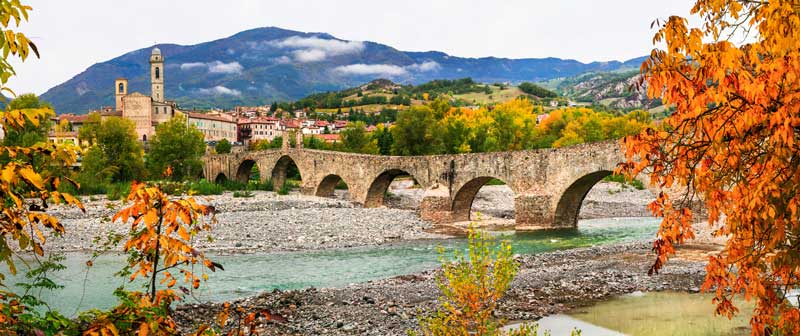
point(616, 89)
point(262, 65)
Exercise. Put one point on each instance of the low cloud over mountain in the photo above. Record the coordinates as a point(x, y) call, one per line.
point(262, 65)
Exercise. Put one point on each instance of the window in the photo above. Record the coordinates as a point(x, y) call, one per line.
point(121, 88)
point(158, 73)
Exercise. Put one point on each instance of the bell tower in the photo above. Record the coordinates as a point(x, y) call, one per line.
point(120, 90)
point(157, 75)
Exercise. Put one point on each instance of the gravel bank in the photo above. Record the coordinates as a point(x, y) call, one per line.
point(269, 222)
point(547, 284)
point(265, 222)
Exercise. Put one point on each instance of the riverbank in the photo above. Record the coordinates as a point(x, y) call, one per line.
point(547, 283)
point(268, 222)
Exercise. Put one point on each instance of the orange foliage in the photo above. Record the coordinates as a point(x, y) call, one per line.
point(733, 141)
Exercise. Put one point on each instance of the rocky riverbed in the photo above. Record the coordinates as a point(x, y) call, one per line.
point(269, 222)
point(547, 284)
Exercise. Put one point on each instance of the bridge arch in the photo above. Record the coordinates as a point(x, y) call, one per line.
point(279, 171)
point(380, 184)
point(464, 197)
point(244, 170)
point(328, 185)
point(570, 201)
point(221, 178)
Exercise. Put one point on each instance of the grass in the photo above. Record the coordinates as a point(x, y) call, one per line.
point(666, 313)
point(366, 108)
point(497, 95)
point(622, 180)
point(245, 193)
point(495, 181)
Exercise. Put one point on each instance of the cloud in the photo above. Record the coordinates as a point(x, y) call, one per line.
point(315, 49)
point(219, 90)
point(359, 69)
point(219, 67)
point(425, 66)
point(371, 69)
point(189, 66)
point(215, 67)
point(282, 60)
point(309, 55)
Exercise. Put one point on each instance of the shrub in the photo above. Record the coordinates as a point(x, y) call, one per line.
point(204, 187)
point(471, 287)
point(285, 188)
point(117, 191)
point(246, 193)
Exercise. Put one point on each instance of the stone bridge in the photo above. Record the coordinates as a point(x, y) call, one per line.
point(549, 184)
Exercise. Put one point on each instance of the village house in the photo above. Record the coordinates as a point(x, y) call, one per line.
point(214, 126)
point(257, 129)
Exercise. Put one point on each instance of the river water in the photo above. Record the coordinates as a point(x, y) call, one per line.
point(249, 274)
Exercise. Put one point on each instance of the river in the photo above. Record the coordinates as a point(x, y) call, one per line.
point(249, 274)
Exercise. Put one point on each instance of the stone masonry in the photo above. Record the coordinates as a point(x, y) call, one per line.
point(549, 184)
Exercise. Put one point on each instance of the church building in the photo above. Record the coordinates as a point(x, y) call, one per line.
point(146, 111)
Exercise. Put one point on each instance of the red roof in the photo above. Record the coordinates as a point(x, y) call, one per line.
point(291, 124)
point(73, 118)
point(321, 123)
point(206, 116)
point(328, 137)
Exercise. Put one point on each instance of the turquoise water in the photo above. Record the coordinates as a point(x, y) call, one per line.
point(249, 274)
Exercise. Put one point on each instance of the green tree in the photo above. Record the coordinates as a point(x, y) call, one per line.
point(355, 139)
point(88, 132)
point(413, 131)
point(176, 145)
point(117, 154)
point(223, 147)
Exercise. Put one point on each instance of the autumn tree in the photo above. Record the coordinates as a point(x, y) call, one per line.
point(25, 193)
point(176, 145)
point(30, 133)
point(732, 142)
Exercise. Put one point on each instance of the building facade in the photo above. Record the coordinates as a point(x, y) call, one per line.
point(146, 111)
point(214, 127)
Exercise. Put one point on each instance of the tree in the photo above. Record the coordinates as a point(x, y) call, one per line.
point(413, 132)
point(223, 147)
point(117, 152)
point(88, 132)
point(178, 146)
point(355, 139)
point(732, 141)
point(30, 133)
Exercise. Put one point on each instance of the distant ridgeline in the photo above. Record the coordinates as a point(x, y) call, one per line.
point(386, 92)
point(259, 66)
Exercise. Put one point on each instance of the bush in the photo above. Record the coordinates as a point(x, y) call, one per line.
point(624, 181)
point(285, 188)
point(204, 187)
point(246, 193)
point(118, 191)
point(471, 286)
point(223, 147)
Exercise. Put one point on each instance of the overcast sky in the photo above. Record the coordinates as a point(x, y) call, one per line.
point(72, 35)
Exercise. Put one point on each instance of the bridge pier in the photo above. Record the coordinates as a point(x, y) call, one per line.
point(535, 212)
point(436, 209)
